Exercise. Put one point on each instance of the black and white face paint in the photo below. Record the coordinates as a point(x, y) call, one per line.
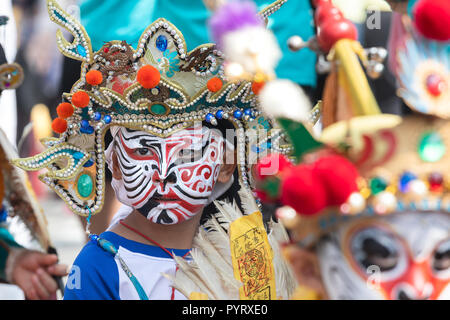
point(168, 180)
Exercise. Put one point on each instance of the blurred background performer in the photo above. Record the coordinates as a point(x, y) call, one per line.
point(368, 206)
point(26, 271)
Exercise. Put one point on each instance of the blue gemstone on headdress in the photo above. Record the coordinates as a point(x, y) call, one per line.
point(81, 50)
point(107, 118)
point(161, 43)
point(219, 114)
point(237, 114)
point(3, 215)
point(87, 130)
point(405, 179)
point(97, 116)
point(209, 117)
point(84, 123)
point(89, 163)
point(78, 155)
point(248, 112)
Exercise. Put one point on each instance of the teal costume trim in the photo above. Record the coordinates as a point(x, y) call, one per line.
point(126, 20)
point(110, 248)
point(8, 239)
point(411, 4)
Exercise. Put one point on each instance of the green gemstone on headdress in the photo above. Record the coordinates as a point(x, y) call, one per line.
point(431, 147)
point(85, 185)
point(377, 185)
point(158, 109)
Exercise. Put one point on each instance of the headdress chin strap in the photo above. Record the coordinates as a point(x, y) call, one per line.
point(219, 189)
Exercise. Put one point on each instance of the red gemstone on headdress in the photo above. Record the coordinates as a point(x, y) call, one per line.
point(436, 181)
point(106, 50)
point(435, 84)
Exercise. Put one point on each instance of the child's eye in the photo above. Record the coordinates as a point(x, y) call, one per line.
point(143, 151)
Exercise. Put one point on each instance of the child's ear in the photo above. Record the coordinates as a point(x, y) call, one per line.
point(116, 173)
point(228, 166)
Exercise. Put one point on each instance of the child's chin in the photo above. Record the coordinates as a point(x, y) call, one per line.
point(166, 217)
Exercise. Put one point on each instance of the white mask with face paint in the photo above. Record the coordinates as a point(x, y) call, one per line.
point(168, 180)
point(399, 256)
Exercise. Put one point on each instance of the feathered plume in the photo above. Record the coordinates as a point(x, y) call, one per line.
point(242, 36)
point(210, 271)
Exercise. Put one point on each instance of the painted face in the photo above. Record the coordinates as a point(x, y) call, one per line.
point(401, 256)
point(168, 180)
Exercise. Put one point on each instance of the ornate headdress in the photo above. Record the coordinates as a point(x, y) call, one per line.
point(159, 87)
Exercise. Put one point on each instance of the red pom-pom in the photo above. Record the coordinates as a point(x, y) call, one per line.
point(432, 19)
point(80, 99)
point(338, 175)
point(148, 76)
point(334, 30)
point(303, 191)
point(59, 125)
point(94, 77)
point(64, 110)
point(214, 84)
point(317, 3)
point(271, 165)
point(257, 86)
point(327, 11)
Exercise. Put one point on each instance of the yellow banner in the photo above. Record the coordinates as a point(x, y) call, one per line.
point(252, 258)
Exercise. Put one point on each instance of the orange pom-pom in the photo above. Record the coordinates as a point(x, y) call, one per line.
point(214, 84)
point(257, 86)
point(59, 125)
point(64, 110)
point(94, 77)
point(80, 99)
point(148, 77)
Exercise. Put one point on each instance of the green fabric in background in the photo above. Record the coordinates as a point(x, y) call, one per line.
point(127, 19)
